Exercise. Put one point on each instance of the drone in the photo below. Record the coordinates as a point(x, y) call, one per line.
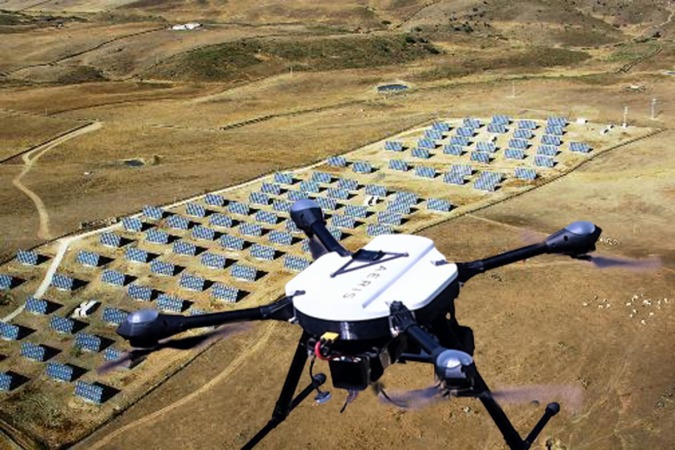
point(391, 301)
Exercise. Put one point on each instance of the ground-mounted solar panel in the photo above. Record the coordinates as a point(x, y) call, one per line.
point(376, 190)
point(357, 211)
point(398, 207)
point(37, 306)
point(425, 144)
point(484, 146)
point(27, 258)
point(135, 254)
point(178, 222)
point(439, 204)
point(322, 177)
point(110, 239)
point(250, 229)
point(433, 135)
point(232, 242)
point(33, 351)
point(263, 252)
point(60, 372)
point(377, 229)
point(454, 178)
point(389, 218)
point(393, 146)
point(398, 164)
point(225, 293)
point(522, 133)
point(409, 198)
point(63, 282)
point(462, 169)
point(326, 203)
point(440, 126)
point(339, 220)
point(259, 198)
point(220, 220)
point(283, 178)
point(195, 210)
point(462, 141)
point(497, 128)
point(133, 224)
point(471, 122)
point(362, 167)
point(87, 258)
point(348, 184)
point(337, 161)
point(7, 381)
point(156, 236)
point(291, 227)
point(281, 205)
point(139, 292)
point(339, 194)
point(525, 173)
point(453, 149)
point(548, 139)
point(527, 124)
point(192, 282)
point(580, 147)
point(214, 200)
point(203, 233)
point(93, 393)
point(153, 212)
point(88, 342)
point(113, 316)
point(547, 150)
point(488, 181)
point(243, 272)
point(266, 217)
point(294, 195)
point(280, 237)
point(544, 161)
point(514, 153)
point(239, 208)
point(213, 261)
point(184, 248)
point(270, 188)
point(164, 268)
point(9, 332)
point(519, 143)
point(465, 132)
point(113, 277)
point(480, 157)
point(62, 325)
point(425, 172)
point(501, 119)
point(310, 186)
point(170, 303)
point(336, 232)
point(556, 121)
point(554, 130)
point(6, 282)
point(421, 153)
point(296, 263)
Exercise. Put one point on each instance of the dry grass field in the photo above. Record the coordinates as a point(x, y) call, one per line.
point(261, 88)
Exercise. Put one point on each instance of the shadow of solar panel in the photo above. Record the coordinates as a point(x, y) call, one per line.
point(250, 229)
point(524, 173)
point(242, 272)
point(111, 239)
point(156, 236)
point(90, 392)
point(184, 248)
point(281, 206)
point(220, 220)
point(465, 132)
point(356, 211)
point(113, 277)
point(496, 128)
point(433, 134)
point(283, 178)
point(337, 161)
point(480, 157)
point(225, 293)
point(362, 167)
point(9, 332)
point(398, 164)
point(339, 220)
point(547, 150)
point(548, 139)
point(63, 282)
point(138, 292)
point(259, 198)
point(213, 261)
point(231, 242)
point(36, 306)
point(27, 258)
point(214, 199)
point(425, 144)
point(153, 212)
point(192, 282)
point(266, 217)
point(453, 149)
point(579, 147)
point(309, 186)
point(377, 190)
point(518, 143)
point(60, 372)
point(348, 184)
point(296, 263)
point(62, 324)
point(270, 188)
point(322, 177)
point(440, 126)
point(326, 203)
point(88, 342)
point(33, 351)
point(389, 218)
point(462, 141)
point(378, 229)
point(178, 222)
point(425, 172)
point(544, 161)
point(262, 252)
point(527, 124)
point(114, 316)
point(170, 303)
point(438, 204)
point(471, 122)
point(488, 147)
point(162, 268)
point(280, 237)
point(294, 195)
point(522, 134)
point(195, 210)
point(203, 233)
point(239, 208)
point(135, 254)
point(132, 224)
point(398, 207)
point(420, 153)
point(393, 146)
point(514, 153)
point(89, 259)
point(341, 194)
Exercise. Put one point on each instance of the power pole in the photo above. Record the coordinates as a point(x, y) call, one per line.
point(653, 116)
point(513, 89)
point(625, 117)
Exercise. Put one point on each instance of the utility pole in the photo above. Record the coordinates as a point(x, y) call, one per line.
point(653, 116)
point(513, 89)
point(625, 117)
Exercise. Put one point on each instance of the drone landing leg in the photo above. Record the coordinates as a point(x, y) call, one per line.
point(287, 402)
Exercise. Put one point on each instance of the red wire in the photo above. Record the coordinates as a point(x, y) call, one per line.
point(317, 351)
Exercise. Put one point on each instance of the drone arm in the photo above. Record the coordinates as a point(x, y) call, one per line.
point(308, 216)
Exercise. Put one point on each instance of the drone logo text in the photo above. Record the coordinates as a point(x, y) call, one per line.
point(364, 283)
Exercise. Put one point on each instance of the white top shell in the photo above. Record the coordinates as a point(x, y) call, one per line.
point(366, 293)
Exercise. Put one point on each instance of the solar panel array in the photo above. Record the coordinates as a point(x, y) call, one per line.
point(522, 133)
point(60, 372)
point(184, 248)
point(376, 229)
point(259, 198)
point(220, 220)
point(337, 161)
point(90, 392)
point(322, 177)
point(243, 272)
point(283, 178)
point(88, 342)
point(36, 305)
point(339, 194)
point(63, 282)
point(496, 128)
point(398, 207)
point(156, 236)
point(9, 332)
point(488, 181)
point(525, 173)
point(135, 254)
point(544, 161)
point(527, 124)
point(111, 240)
point(393, 146)
point(6, 381)
point(170, 303)
point(433, 134)
point(195, 210)
point(453, 149)
point(462, 141)
point(398, 164)
point(132, 224)
point(519, 143)
point(28, 258)
point(153, 212)
point(231, 242)
point(214, 199)
point(514, 153)
point(556, 121)
point(341, 221)
point(114, 316)
point(295, 263)
point(348, 184)
point(501, 119)
point(547, 150)
point(225, 293)
point(579, 147)
point(62, 324)
point(466, 132)
point(480, 157)
point(376, 190)
point(438, 204)
point(294, 195)
point(281, 206)
point(554, 130)
point(33, 351)
point(389, 218)
point(162, 268)
point(203, 233)
point(280, 237)
point(362, 167)
point(471, 122)
point(357, 211)
point(262, 252)
point(113, 277)
point(441, 126)
point(325, 203)
point(87, 258)
point(239, 208)
point(270, 188)
point(250, 229)
point(192, 282)
point(178, 222)
point(548, 139)
point(484, 146)
point(425, 144)
point(421, 153)
point(213, 261)
point(138, 292)
point(425, 172)
point(266, 217)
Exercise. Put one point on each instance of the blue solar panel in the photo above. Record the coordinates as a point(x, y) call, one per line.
point(465, 132)
point(113, 277)
point(522, 134)
point(433, 134)
point(377, 190)
point(362, 167)
point(440, 126)
point(281, 206)
point(88, 342)
point(195, 210)
point(213, 261)
point(156, 236)
point(246, 273)
point(9, 332)
point(153, 212)
point(280, 237)
point(36, 305)
point(283, 178)
point(501, 119)
point(89, 392)
point(178, 222)
point(294, 195)
point(337, 161)
point(6, 381)
point(554, 130)
point(192, 282)
point(259, 198)
point(393, 146)
point(470, 122)
point(425, 172)
point(214, 199)
point(524, 173)
point(225, 293)
point(514, 153)
point(544, 161)
point(420, 153)
point(518, 143)
point(453, 178)
point(138, 292)
point(309, 186)
point(220, 220)
point(63, 282)
point(348, 184)
point(203, 233)
point(484, 146)
point(406, 197)
point(326, 203)
point(162, 268)
point(250, 229)
point(527, 124)
point(425, 144)
point(60, 372)
point(62, 324)
point(496, 128)
point(239, 208)
point(398, 207)
point(296, 263)
point(547, 150)
point(341, 221)
point(114, 316)
point(231, 242)
point(579, 147)
point(453, 149)
point(459, 140)
point(135, 254)
point(356, 211)
point(33, 351)
point(184, 248)
point(262, 252)
point(556, 121)
point(389, 218)
point(27, 258)
point(378, 229)
point(480, 157)
point(548, 139)
point(270, 188)
point(322, 177)
point(340, 194)
point(266, 217)
point(462, 169)
point(132, 224)
point(89, 259)
point(111, 239)
point(438, 204)
point(398, 164)
point(170, 303)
